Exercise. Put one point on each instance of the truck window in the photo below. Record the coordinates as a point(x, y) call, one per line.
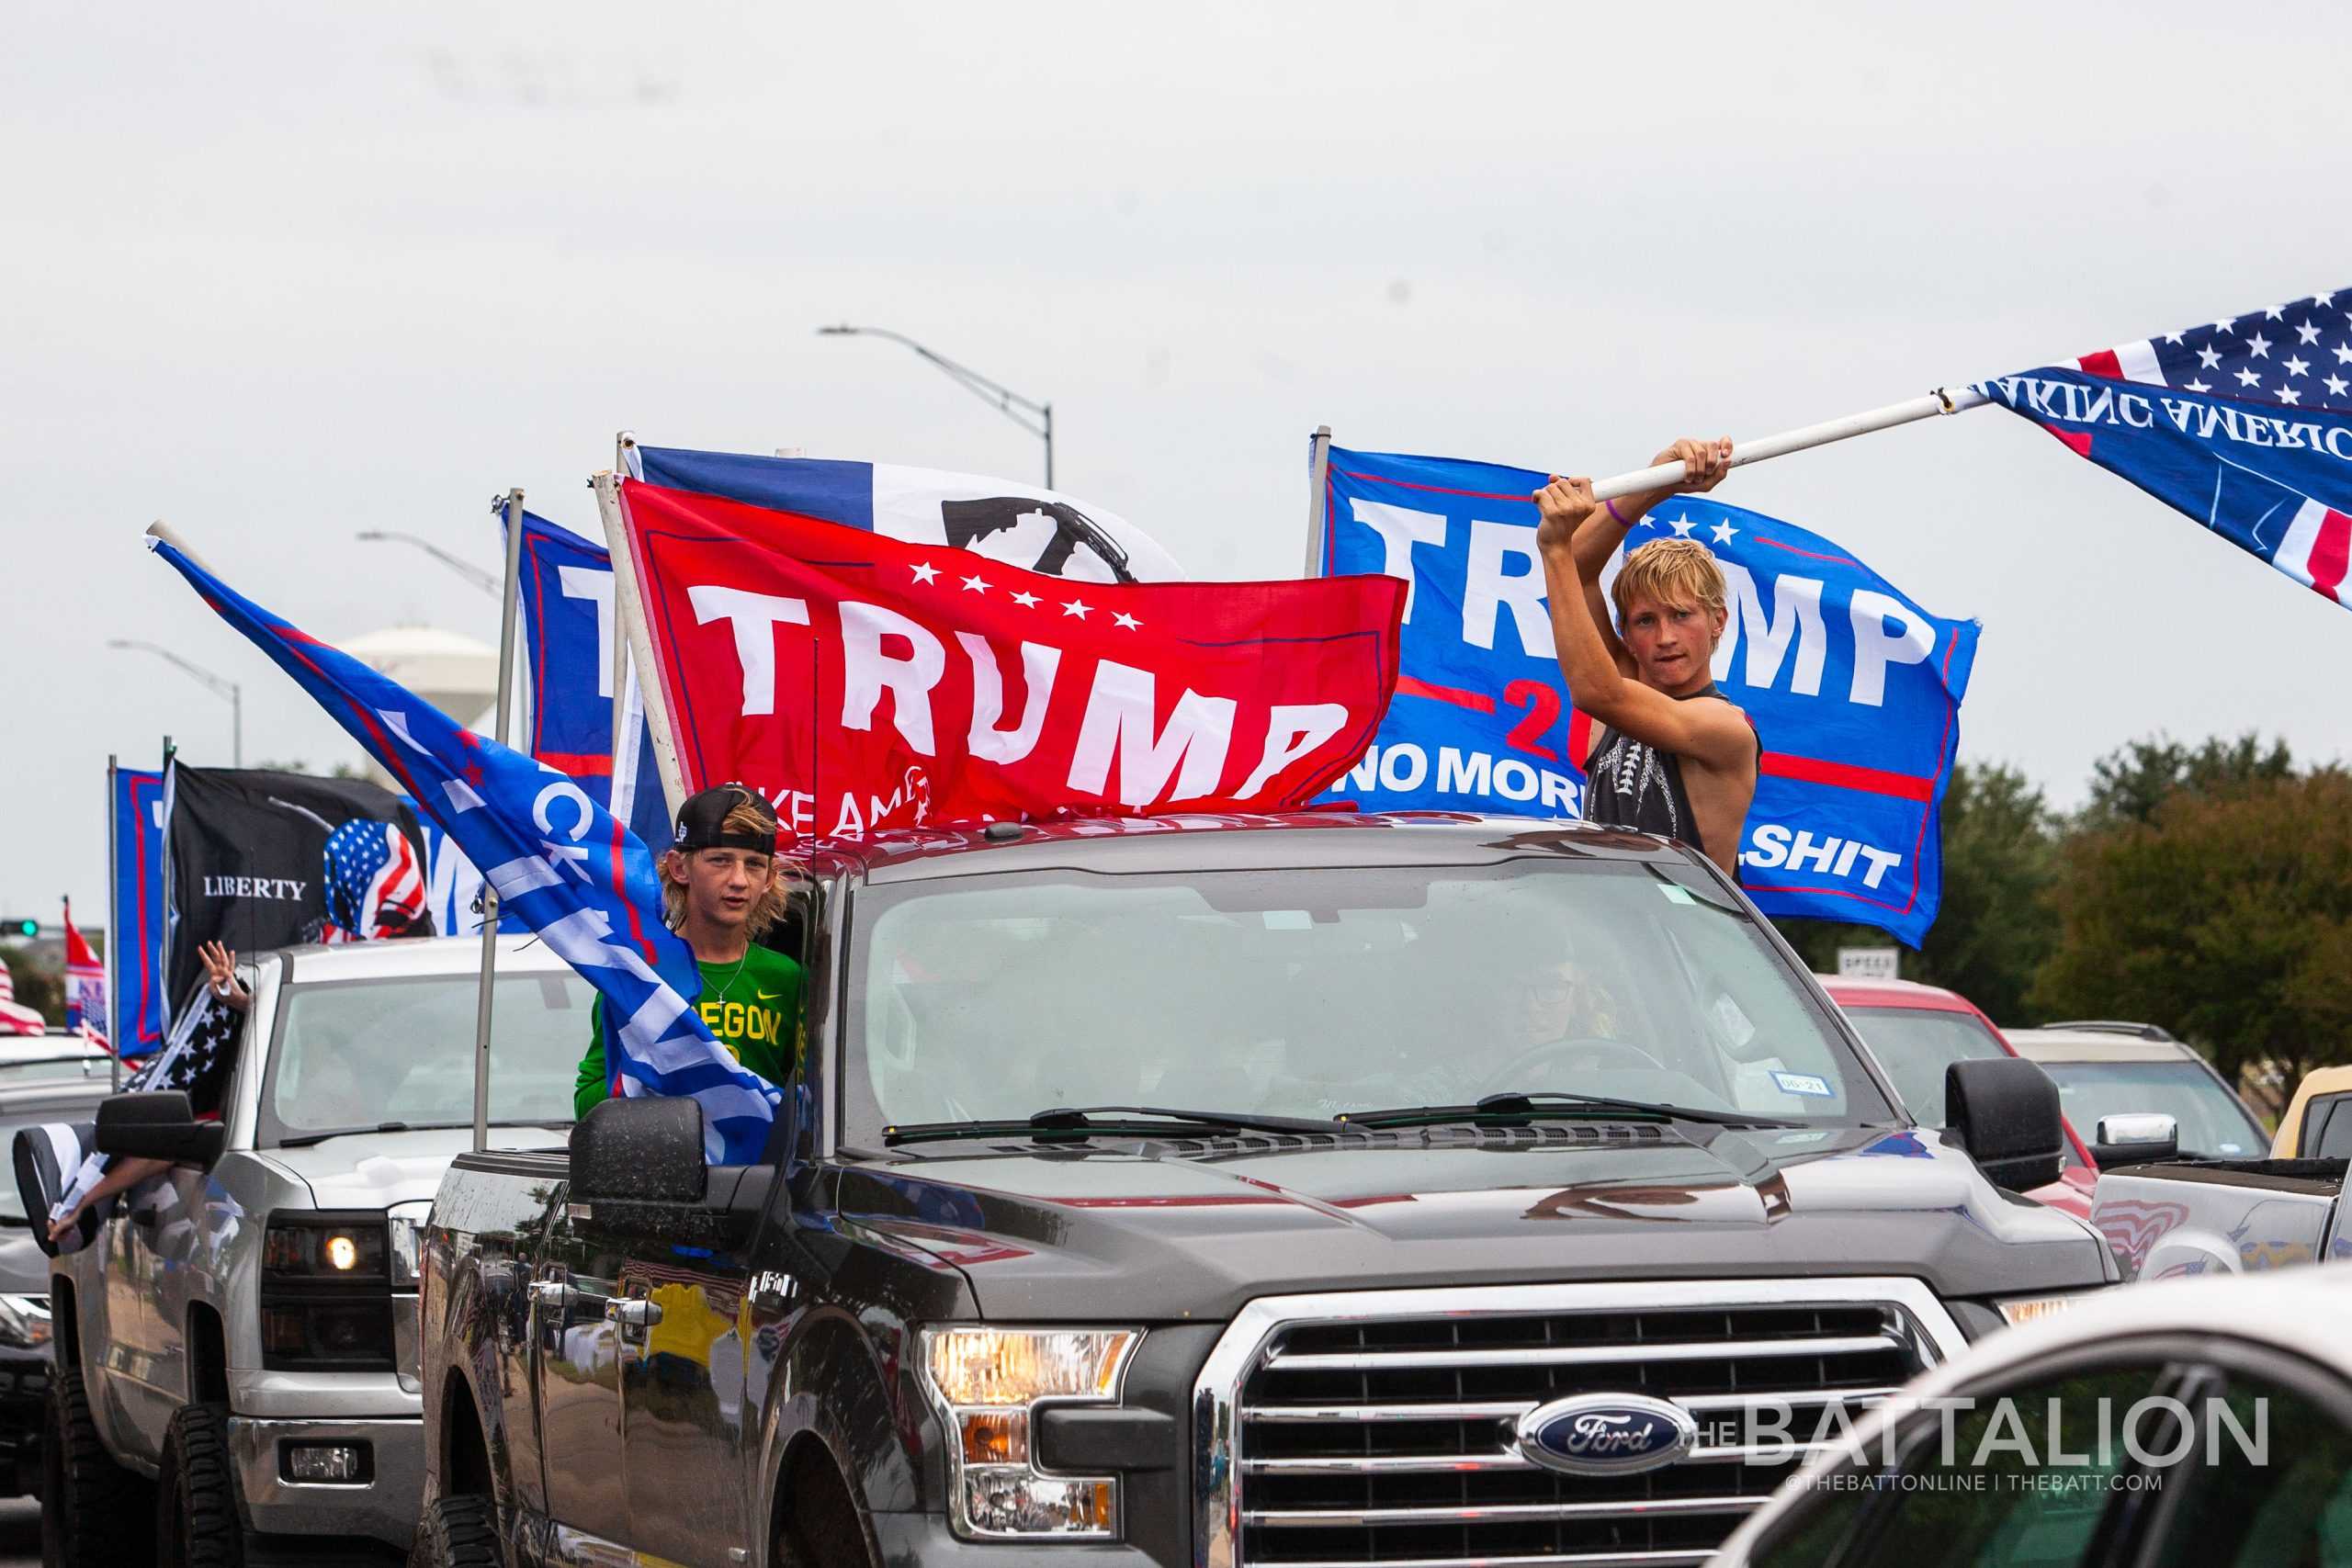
point(1315, 991)
point(356, 1055)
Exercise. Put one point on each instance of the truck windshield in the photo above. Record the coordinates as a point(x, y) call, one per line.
point(356, 1055)
point(2213, 1124)
point(1311, 992)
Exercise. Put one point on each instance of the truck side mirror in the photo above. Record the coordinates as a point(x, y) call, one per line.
point(2141, 1139)
point(638, 1171)
point(2004, 1112)
point(638, 1151)
point(157, 1125)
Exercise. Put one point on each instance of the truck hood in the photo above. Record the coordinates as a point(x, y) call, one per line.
point(1181, 1228)
point(375, 1170)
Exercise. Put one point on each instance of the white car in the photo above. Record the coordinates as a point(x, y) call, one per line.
point(2207, 1421)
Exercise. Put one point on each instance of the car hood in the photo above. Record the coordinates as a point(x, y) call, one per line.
point(24, 1267)
point(1196, 1227)
point(375, 1170)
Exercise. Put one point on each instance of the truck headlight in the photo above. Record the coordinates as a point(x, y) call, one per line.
point(326, 1292)
point(23, 1322)
point(2019, 1311)
point(989, 1383)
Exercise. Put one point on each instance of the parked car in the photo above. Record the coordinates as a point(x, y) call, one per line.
point(64, 1083)
point(2063, 1453)
point(1917, 1032)
point(2318, 1122)
point(2115, 1069)
point(1362, 1288)
point(245, 1333)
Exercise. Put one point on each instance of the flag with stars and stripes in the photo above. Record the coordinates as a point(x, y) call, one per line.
point(862, 681)
point(2243, 423)
point(560, 864)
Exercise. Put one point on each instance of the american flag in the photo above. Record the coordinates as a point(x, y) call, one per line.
point(2243, 423)
point(2297, 356)
point(375, 884)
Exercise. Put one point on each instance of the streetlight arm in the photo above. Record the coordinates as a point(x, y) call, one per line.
point(463, 568)
point(1005, 399)
point(218, 685)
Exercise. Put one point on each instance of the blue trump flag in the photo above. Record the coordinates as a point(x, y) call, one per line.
point(1854, 688)
point(2244, 424)
point(570, 635)
point(558, 861)
point(135, 925)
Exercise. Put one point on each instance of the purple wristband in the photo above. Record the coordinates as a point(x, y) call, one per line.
point(1614, 513)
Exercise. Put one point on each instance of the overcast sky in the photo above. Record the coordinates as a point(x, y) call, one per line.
point(281, 274)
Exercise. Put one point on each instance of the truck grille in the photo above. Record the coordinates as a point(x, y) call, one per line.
point(1381, 1428)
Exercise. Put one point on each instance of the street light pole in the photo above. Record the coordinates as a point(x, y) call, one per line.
point(220, 686)
point(457, 564)
point(1008, 402)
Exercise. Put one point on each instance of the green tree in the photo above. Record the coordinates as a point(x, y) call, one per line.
point(2128, 784)
point(2226, 916)
point(1995, 924)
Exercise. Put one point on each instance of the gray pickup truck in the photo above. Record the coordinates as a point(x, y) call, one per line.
point(237, 1361)
point(1232, 1191)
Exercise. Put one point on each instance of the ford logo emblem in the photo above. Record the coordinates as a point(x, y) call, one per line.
point(1606, 1434)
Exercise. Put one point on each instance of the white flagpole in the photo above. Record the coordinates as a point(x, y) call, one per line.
point(1943, 401)
point(1318, 468)
point(485, 991)
point(630, 605)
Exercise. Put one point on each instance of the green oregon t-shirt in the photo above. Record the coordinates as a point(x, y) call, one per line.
point(754, 1011)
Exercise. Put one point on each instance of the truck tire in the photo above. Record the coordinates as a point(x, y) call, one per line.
point(93, 1512)
point(197, 1522)
point(459, 1532)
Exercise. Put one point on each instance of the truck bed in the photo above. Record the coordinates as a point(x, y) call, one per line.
point(2187, 1217)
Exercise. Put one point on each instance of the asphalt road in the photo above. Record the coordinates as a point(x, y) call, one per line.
point(19, 1533)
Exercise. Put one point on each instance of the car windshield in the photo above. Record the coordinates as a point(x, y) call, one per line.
point(354, 1055)
point(2213, 1126)
point(56, 1069)
point(1311, 992)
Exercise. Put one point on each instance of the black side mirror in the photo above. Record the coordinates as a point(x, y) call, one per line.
point(157, 1125)
point(2004, 1112)
point(638, 1151)
point(2140, 1139)
point(637, 1170)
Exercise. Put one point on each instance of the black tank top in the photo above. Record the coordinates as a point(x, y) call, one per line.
point(1631, 784)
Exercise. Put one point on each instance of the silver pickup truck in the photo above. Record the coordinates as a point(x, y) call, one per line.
point(2166, 1219)
point(236, 1349)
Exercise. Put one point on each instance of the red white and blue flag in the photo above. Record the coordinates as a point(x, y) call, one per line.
point(85, 983)
point(1042, 530)
point(2243, 423)
point(559, 862)
point(375, 884)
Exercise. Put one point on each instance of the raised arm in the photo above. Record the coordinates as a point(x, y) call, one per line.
point(1602, 529)
point(1597, 667)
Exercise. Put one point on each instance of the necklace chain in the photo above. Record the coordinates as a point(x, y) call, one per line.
point(728, 989)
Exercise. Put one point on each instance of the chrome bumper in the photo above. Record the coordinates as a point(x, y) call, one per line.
point(384, 1506)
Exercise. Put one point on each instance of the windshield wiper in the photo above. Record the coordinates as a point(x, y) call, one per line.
point(1077, 1122)
point(304, 1140)
point(1555, 1103)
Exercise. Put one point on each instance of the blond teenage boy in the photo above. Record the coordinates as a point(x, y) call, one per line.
point(1674, 756)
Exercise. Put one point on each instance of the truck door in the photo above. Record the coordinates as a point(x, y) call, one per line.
point(577, 1378)
point(146, 1287)
point(683, 1323)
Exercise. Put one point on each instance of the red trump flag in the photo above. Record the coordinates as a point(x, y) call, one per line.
point(862, 681)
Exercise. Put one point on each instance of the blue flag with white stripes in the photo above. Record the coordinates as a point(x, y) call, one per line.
point(560, 862)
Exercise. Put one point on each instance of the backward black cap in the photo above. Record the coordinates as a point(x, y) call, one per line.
point(701, 821)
